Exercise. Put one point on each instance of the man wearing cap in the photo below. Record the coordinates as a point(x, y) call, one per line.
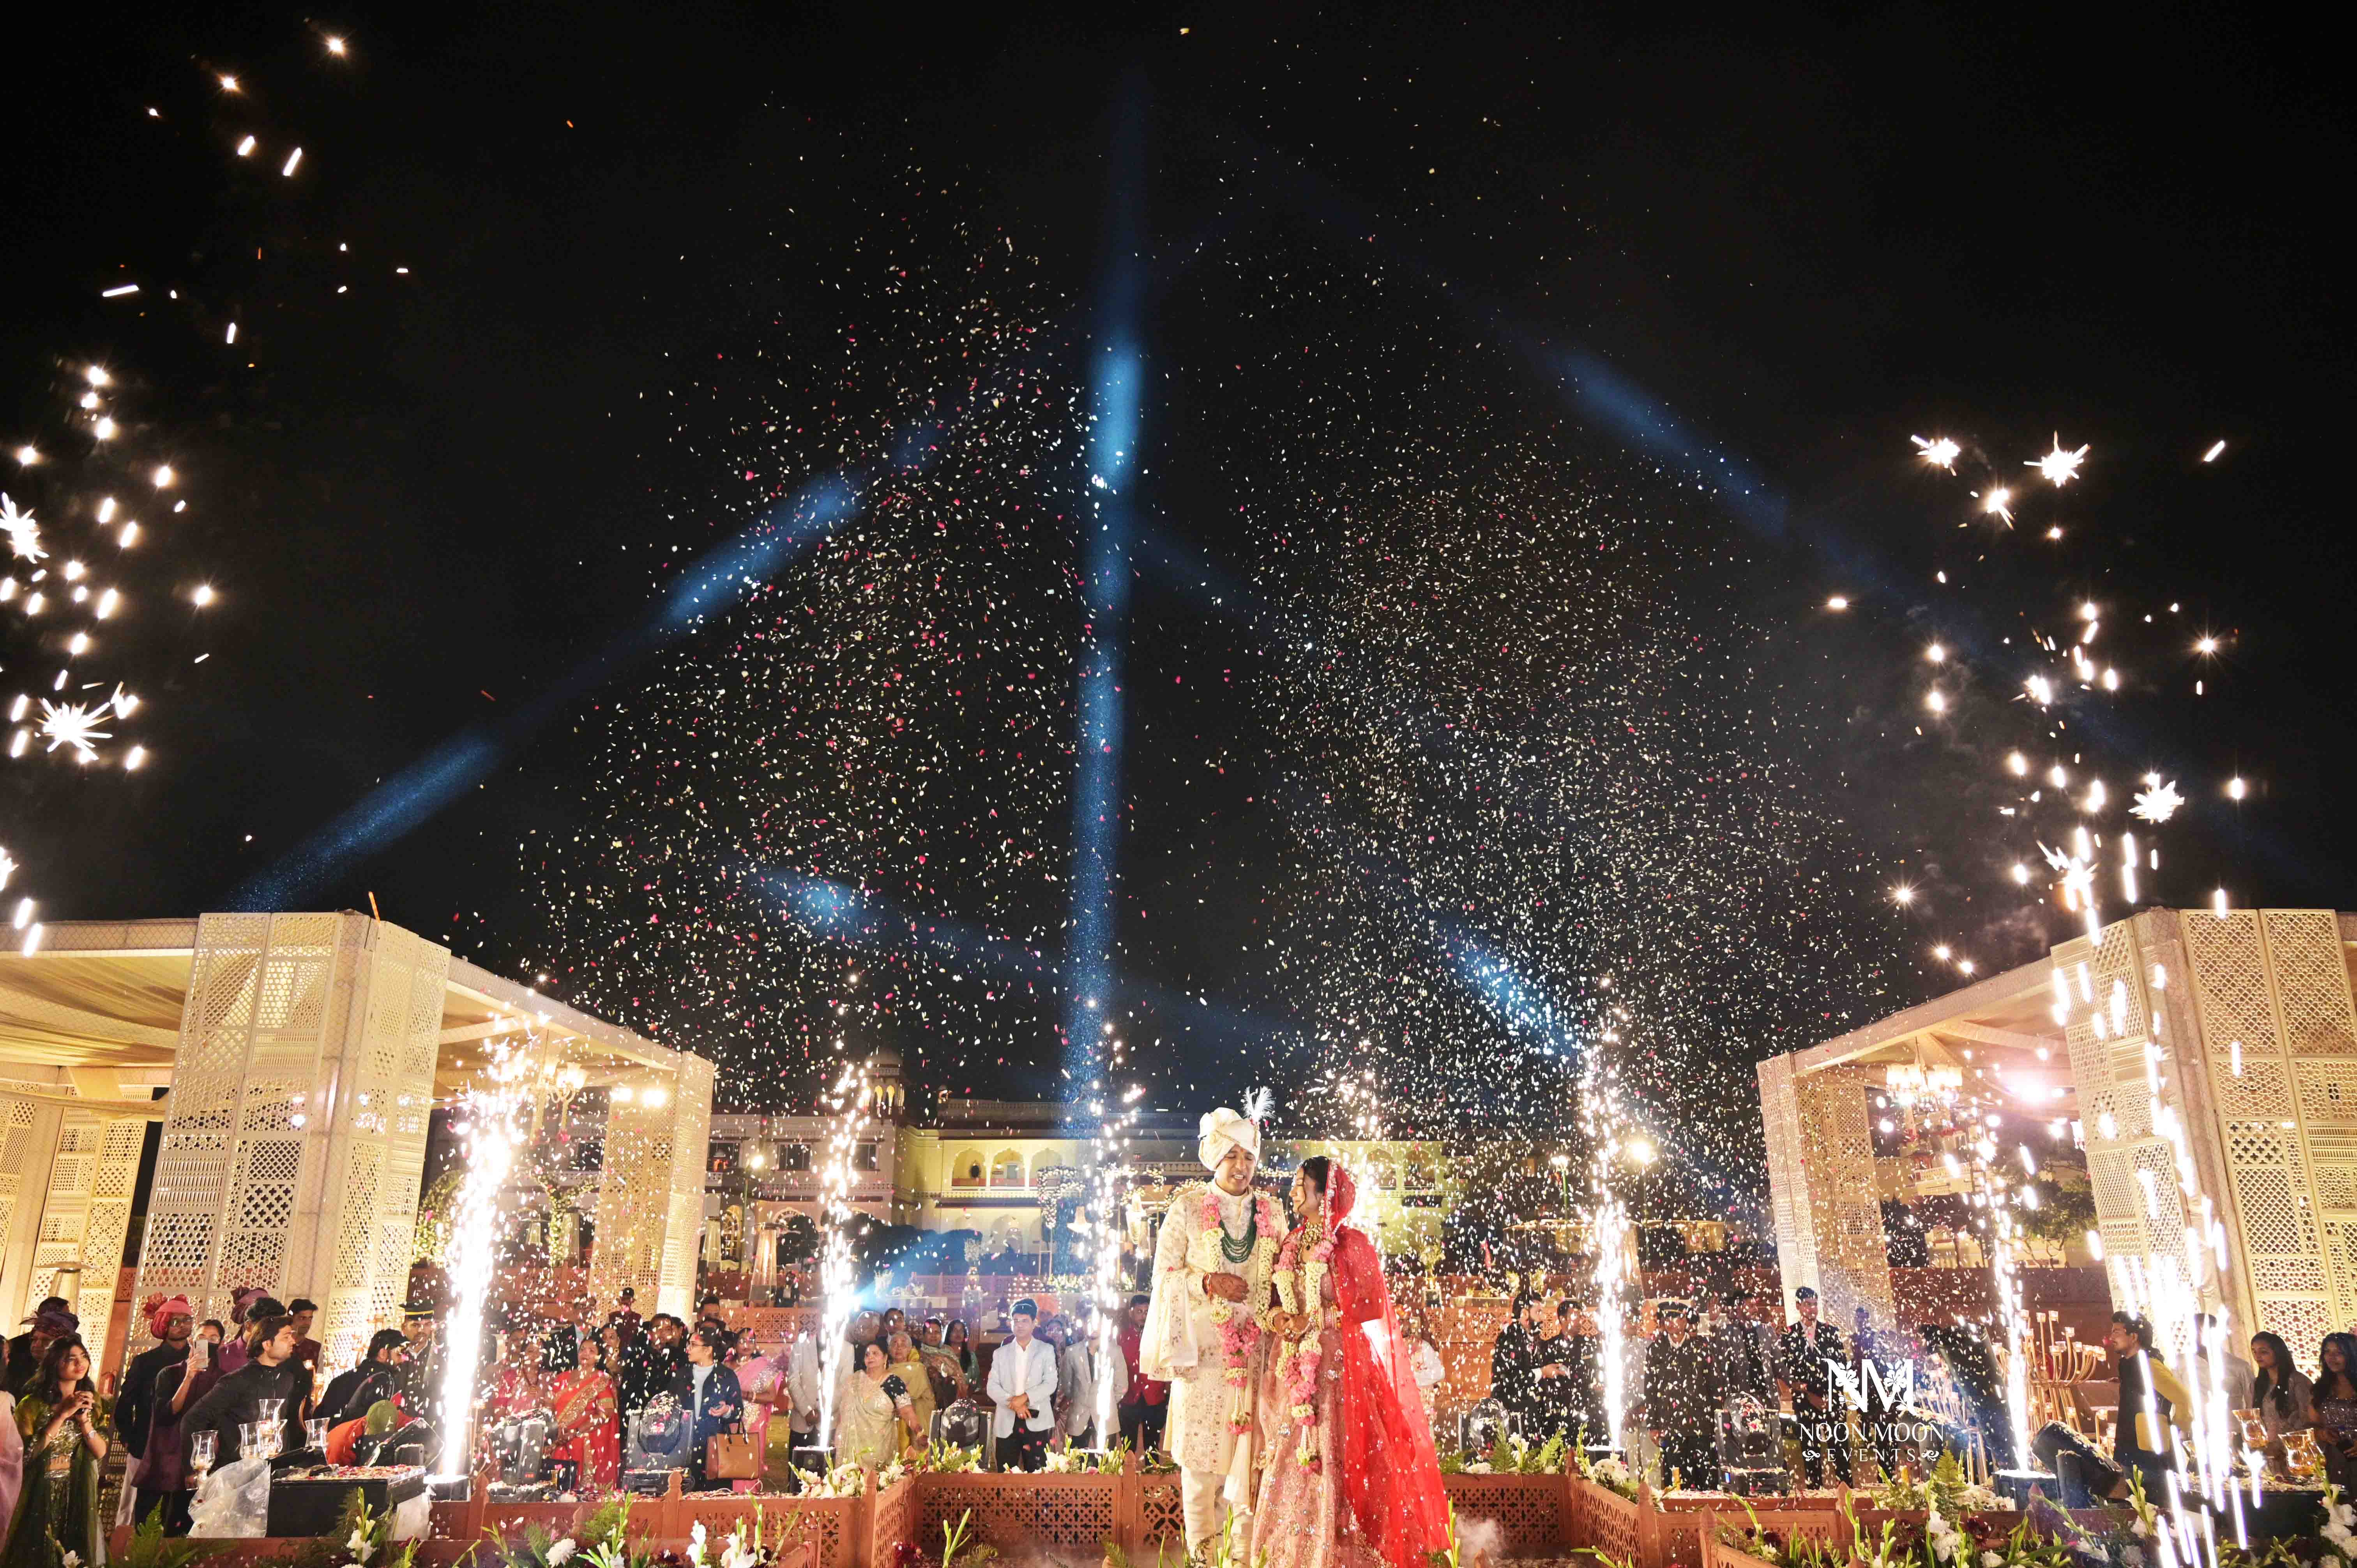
point(624, 1319)
point(1747, 1346)
point(352, 1393)
point(26, 1350)
point(50, 1323)
point(1212, 1264)
point(1679, 1380)
point(171, 1322)
point(1802, 1356)
point(1023, 1386)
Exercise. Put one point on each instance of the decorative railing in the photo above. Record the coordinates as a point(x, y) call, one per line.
point(1500, 1518)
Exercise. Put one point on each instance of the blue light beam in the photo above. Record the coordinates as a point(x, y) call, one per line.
point(713, 583)
point(1119, 374)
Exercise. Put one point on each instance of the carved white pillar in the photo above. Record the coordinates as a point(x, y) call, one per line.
point(295, 1136)
point(1827, 1211)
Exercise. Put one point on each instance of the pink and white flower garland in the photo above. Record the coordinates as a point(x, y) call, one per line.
point(1305, 1292)
point(1239, 1323)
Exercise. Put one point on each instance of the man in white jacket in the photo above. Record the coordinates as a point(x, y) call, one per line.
point(1023, 1385)
point(1203, 1328)
point(1076, 1382)
point(802, 1387)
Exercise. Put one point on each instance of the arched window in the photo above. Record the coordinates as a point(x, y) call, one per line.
point(965, 1168)
point(1006, 1170)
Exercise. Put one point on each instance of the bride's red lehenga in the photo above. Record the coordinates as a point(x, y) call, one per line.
point(1373, 1493)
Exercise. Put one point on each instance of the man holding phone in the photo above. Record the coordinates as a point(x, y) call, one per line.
point(267, 1378)
point(173, 1323)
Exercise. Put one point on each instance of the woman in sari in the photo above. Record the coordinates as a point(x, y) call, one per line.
point(1349, 1479)
point(62, 1418)
point(874, 1418)
point(957, 1340)
point(516, 1391)
point(909, 1368)
point(589, 1420)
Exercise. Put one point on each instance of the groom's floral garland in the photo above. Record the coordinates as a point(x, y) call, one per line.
point(1302, 1288)
point(1239, 1323)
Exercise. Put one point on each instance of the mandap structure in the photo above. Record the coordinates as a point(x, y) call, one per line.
point(275, 1075)
point(2226, 1037)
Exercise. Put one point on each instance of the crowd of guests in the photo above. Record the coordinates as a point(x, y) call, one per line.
point(216, 1379)
point(1546, 1366)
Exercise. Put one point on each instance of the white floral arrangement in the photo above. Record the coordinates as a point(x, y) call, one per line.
point(2340, 1528)
point(1612, 1473)
point(844, 1480)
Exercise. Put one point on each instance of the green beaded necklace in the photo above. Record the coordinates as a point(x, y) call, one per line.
point(1238, 1251)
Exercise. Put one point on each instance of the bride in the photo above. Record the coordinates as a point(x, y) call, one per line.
point(1349, 1479)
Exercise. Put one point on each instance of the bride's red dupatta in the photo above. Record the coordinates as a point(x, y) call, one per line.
point(1390, 1475)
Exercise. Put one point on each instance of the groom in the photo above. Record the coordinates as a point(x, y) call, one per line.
point(1202, 1335)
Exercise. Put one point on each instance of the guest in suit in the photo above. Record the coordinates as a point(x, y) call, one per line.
point(1023, 1385)
point(713, 1397)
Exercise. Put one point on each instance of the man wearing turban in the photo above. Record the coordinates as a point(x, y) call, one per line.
point(1203, 1325)
point(171, 1322)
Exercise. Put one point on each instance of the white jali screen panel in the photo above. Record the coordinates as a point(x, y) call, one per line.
point(296, 1138)
point(2241, 1025)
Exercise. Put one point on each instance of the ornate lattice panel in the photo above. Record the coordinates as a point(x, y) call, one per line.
point(1607, 1523)
point(2116, 1026)
point(691, 1137)
point(633, 1201)
point(19, 1118)
point(1787, 1195)
point(1529, 1511)
point(1161, 1514)
point(304, 1074)
point(65, 1209)
point(1828, 1213)
point(1837, 1159)
point(108, 1227)
point(2310, 975)
point(2279, 1041)
point(896, 1518)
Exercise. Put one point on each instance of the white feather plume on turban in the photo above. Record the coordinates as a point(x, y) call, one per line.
point(1219, 1130)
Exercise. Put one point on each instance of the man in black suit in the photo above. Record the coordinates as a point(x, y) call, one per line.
point(1807, 1348)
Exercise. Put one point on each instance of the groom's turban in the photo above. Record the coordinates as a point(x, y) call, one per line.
point(1220, 1128)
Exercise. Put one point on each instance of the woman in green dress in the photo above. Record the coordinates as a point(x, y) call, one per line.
point(63, 1421)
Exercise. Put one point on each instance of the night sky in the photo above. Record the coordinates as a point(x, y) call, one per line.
point(1443, 315)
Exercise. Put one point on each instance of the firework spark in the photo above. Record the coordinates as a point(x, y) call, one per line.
point(2058, 467)
point(1940, 452)
point(2157, 804)
point(24, 533)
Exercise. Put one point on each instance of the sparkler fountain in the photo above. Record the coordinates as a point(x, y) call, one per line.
point(489, 1138)
point(1111, 1144)
point(1606, 1122)
point(849, 1104)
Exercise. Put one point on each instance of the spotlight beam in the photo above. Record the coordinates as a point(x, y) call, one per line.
point(715, 582)
point(1118, 371)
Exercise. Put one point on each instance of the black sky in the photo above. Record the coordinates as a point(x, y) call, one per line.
point(1811, 231)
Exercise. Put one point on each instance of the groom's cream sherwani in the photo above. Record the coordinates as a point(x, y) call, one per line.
point(1186, 1342)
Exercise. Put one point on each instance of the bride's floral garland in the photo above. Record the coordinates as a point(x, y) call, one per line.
point(1239, 1322)
point(1301, 1286)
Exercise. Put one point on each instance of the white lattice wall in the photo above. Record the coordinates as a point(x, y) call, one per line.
point(1828, 1212)
point(86, 1212)
point(2243, 1027)
point(691, 1138)
point(651, 1192)
point(2280, 1045)
point(296, 1131)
